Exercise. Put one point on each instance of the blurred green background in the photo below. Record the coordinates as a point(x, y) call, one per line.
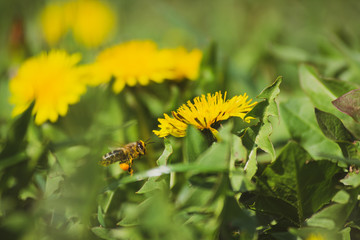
point(51, 185)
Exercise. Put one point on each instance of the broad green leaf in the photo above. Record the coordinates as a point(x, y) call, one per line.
point(236, 219)
point(194, 145)
point(258, 135)
point(320, 91)
point(352, 180)
point(296, 179)
point(334, 216)
point(322, 94)
point(332, 127)
point(218, 155)
point(341, 197)
point(299, 118)
point(349, 103)
point(166, 154)
point(317, 233)
point(153, 183)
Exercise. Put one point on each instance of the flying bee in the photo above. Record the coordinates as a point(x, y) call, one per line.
point(125, 155)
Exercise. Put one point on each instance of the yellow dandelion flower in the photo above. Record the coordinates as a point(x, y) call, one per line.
point(53, 24)
point(57, 18)
point(93, 22)
point(315, 237)
point(131, 63)
point(51, 80)
point(205, 113)
point(185, 64)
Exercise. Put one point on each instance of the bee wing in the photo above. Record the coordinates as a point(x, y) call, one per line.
point(113, 148)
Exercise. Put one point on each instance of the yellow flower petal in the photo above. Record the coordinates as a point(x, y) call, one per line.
point(140, 62)
point(51, 80)
point(206, 112)
point(57, 18)
point(92, 31)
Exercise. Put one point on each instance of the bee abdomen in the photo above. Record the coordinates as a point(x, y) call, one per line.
point(111, 157)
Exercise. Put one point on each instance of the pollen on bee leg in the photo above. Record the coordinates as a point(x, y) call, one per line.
point(124, 166)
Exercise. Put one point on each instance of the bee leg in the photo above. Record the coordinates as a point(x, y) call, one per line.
point(130, 170)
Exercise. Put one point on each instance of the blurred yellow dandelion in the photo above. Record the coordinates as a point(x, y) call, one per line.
point(53, 22)
point(140, 62)
point(91, 21)
point(315, 237)
point(52, 80)
point(185, 64)
point(205, 113)
point(131, 63)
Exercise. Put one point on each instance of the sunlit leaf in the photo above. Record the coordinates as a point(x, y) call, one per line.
point(259, 134)
point(299, 118)
point(352, 180)
point(322, 94)
point(194, 144)
point(166, 154)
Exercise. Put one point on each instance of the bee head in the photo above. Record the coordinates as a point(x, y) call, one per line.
point(141, 147)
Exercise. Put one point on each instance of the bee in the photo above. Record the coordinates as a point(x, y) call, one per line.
point(125, 155)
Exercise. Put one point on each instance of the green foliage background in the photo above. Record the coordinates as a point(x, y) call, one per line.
point(290, 173)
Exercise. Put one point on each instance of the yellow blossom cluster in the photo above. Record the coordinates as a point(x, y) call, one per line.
point(91, 21)
point(54, 80)
point(205, 113)
point(139, 62)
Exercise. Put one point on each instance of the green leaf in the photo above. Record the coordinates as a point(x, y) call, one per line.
point(317, 233)
point(258, 135)
point(194, 145)
point(52, 185)
point(334, 216)
point(320, 91)
point(13, 160)
point(295, 179)
point(153, 183)
point(168, 150)
point(349, 103)
point(322, 94)
point(235, 219)
point(332, 127)
point(341, 197)
point(101, 232)
point(352, 179)
point(101, 217)
point(302, 126)
point(16, 134)
point(240, 179)
point(251, 165)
